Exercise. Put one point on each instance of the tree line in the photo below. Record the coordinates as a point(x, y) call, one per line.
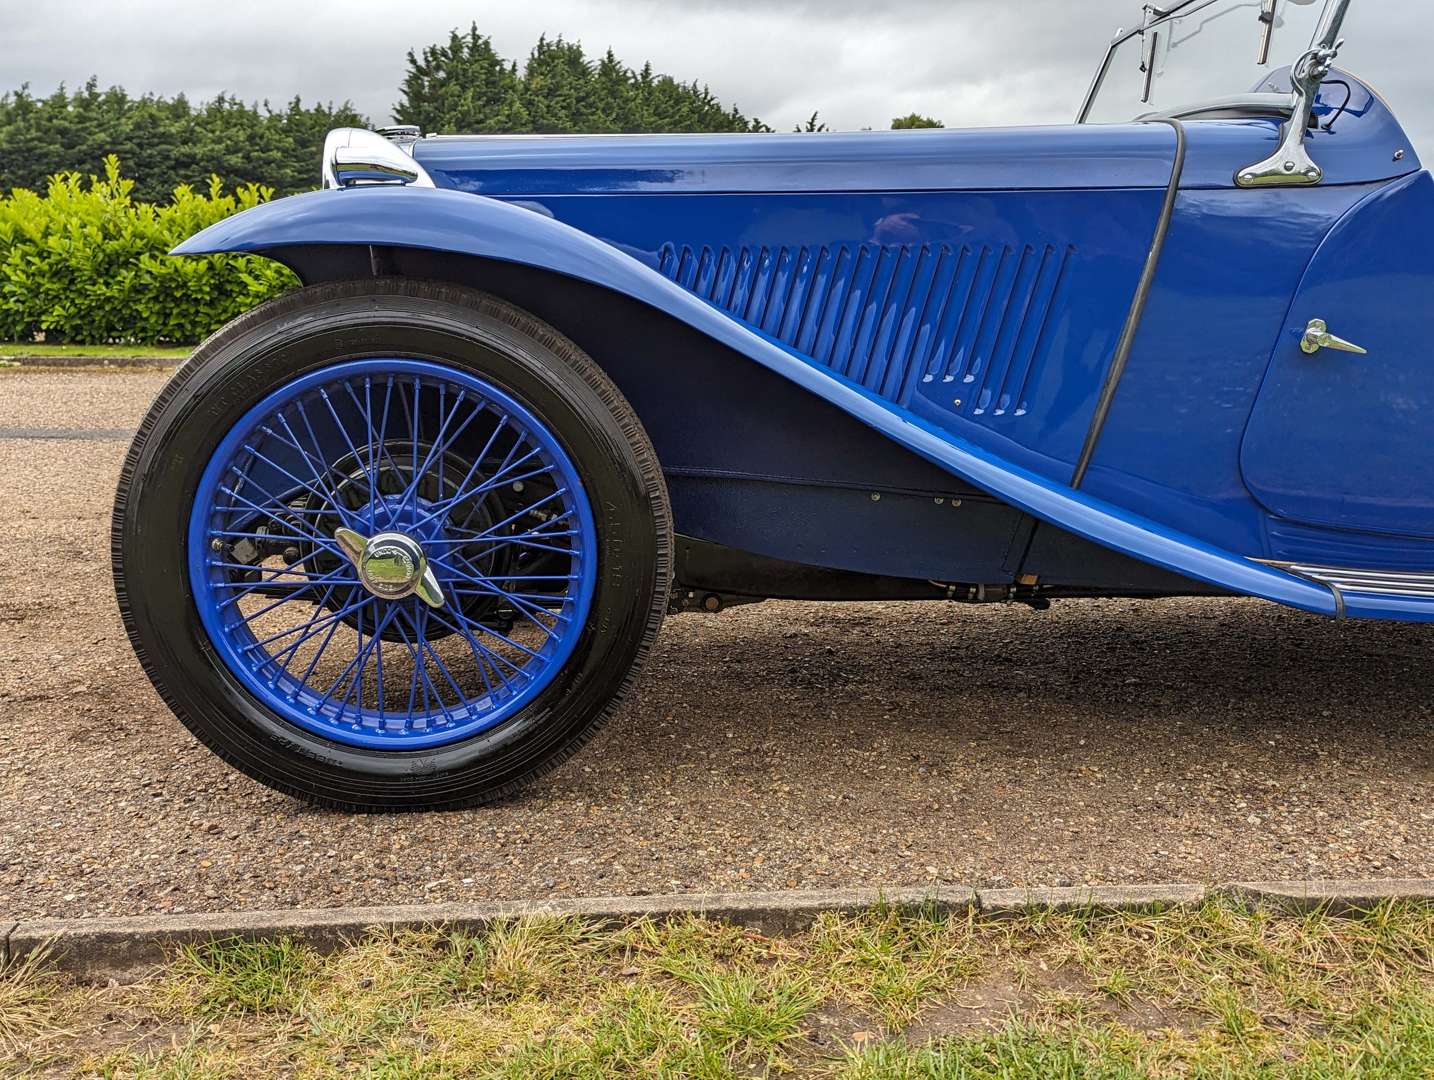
point(162, 142)
point(461, 85)
point(464, 85)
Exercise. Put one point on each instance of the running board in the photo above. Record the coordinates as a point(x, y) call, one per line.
point(1368, 592)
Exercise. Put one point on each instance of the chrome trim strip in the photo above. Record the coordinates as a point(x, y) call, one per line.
point(1350, 579)
point(1352, 574)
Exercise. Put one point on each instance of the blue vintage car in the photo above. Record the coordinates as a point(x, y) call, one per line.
point(401, 538)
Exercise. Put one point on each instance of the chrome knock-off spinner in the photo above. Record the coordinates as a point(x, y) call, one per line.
point(391, 565)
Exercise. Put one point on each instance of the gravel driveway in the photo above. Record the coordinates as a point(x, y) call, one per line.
point(780, 745)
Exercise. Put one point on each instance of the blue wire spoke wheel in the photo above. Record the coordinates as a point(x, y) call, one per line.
point(392, 545)
point(392, 553)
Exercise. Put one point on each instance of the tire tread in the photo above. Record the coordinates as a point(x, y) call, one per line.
point(578, 362)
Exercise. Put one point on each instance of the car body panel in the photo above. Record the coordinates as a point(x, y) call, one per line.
point(489, 228)
point(959, 293)
point(1067, 158)
point(1171, 447)
point(991, 315)
point(1342, 440)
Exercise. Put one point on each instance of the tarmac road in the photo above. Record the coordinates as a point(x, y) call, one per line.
point(774, 746)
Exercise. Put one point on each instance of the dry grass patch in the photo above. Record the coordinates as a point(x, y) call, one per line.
point(1217, 991)
point(28, 1014)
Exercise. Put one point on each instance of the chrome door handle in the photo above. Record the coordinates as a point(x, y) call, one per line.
point(1317, 337)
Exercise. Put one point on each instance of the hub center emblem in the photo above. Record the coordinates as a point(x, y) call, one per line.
point(391, 565)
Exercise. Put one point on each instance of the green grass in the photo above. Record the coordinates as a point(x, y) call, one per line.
point(247, 977)
point(1218, 991)
point(15, 349)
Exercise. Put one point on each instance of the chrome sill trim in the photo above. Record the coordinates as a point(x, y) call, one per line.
point(1351, 579)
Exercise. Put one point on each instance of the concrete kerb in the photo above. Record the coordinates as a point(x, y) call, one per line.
point(97, 949)
point(120, 948)
point(1098, 898)
point(1335, 897)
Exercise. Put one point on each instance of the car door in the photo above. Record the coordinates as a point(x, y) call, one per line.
point(1343, 440)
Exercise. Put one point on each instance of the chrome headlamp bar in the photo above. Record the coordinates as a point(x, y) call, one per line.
point(354, 157)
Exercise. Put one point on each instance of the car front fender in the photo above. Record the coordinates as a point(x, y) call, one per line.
point(456, 222)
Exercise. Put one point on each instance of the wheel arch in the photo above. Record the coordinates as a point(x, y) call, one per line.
point(597, 294)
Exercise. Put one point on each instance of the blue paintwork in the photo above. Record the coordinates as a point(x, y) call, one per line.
point(1070, 158)
point(1201, 353)
point(960, 293)
point(1341, 440)
point(256, 470)
point(447, 221)
point(990, 315)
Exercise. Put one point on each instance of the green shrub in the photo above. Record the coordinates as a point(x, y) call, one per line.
point(86, 263)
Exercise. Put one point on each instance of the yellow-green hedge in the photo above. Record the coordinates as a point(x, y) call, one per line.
point(86, 263)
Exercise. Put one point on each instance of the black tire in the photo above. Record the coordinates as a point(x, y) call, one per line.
point(319, 326)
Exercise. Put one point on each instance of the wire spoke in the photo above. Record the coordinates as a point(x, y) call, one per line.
point(302, 483)
point(494, 657)
point(309, 427)
point(330, 493)
point(418, 663)
point(447, 460)
point(313, 538)
point(438, 443)
point(295, 595)
point(524, 512)
point(360, 658)
point(291, 650)
point(368, 461)
point(524, 607)
point(490, 546)
point(463, 494)
point(423, 616)
point(343, 431)
point(335, 616)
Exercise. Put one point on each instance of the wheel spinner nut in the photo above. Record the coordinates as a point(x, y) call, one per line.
point(391, 565)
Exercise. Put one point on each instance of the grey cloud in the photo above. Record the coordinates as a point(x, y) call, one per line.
point(969, 62)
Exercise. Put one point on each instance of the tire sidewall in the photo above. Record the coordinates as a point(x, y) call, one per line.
point(224, 381)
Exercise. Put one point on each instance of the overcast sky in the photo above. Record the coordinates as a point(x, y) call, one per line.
point(968, 62)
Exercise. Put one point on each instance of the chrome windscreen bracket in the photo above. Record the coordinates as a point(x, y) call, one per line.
point(1291, 165)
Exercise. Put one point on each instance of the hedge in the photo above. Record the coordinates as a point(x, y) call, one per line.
point(87, 264)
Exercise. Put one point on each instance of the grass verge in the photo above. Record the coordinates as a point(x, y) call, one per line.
point(14, 350)
point(1220, 991)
